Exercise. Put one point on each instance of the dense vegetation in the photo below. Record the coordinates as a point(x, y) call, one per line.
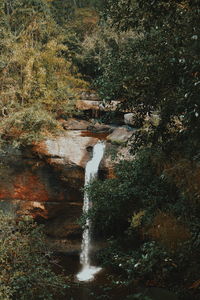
point(37, 74)
point(146, 54)
point(25, 261)
point(143, 212)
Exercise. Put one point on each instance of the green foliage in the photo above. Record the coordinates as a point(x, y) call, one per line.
point(155, 70)
point(38, 72)
point(20, 13)
point(25, 262)
point(147, 54)
point(130, 209)
point(95, 48)
point(151, 262)
point(115, 200)
point(62, 11)
point(36, 68)
point(28, 125)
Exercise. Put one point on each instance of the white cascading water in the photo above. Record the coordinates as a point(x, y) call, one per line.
point(87, 273)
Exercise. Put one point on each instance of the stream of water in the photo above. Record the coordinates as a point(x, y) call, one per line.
point(88, 271)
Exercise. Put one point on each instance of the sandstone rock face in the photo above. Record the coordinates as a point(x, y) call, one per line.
point(46, 181)
point(32, 189)
point(68, 155)
point(70, 149)
point(47, 185)
point(120, 135)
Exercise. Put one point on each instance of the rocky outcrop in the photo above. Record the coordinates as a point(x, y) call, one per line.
point(67, 154)
point(100, 128)
point(129, 119)
point(46, 181)
point(120, 135)
point(30, 187)
point(47, 184)
point(87, 105)
point(69, 149)
point(73, 124)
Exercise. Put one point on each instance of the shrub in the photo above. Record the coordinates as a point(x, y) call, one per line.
point(25, 269)
point(28, 125)
point(137, 187)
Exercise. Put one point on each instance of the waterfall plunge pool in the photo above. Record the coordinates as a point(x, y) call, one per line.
point(106, 284)
point(88, 273)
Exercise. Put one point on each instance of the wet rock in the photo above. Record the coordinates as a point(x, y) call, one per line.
point(68, 155)
point(65, 245)
point(29, 187)
point(37, 210)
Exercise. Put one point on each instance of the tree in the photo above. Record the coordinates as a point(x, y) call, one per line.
point(36, 67)
point(62, 11)
point(159, 69)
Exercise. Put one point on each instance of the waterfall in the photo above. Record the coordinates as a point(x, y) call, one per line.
point(87, 273)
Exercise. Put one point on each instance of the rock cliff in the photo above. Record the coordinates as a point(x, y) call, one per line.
point(46, 180)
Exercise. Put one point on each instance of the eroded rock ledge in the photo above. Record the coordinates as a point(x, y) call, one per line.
point(46, 182)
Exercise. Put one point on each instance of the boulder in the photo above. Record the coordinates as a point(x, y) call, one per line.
point(69, 150)
point(129, 119)
point(87, 105)
point(74, 124)
point(100, 128)
point(120, 135)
